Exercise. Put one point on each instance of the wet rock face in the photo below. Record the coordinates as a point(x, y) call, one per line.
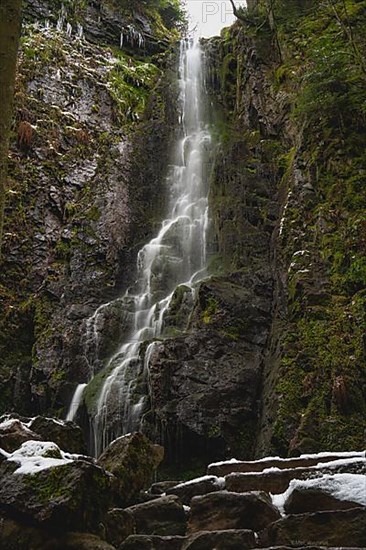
point(204, 385)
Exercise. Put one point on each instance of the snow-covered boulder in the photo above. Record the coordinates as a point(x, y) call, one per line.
point(57, 490)
point(15, 430)
point(329, 492)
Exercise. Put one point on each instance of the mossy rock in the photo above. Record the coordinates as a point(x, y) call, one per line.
point(132, 459)
point(67, 497)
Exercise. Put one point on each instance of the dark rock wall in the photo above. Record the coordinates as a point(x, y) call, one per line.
point(206, 383)
point(86, 167)
point(293, 100)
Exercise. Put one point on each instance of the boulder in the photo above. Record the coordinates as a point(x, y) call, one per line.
point(223, 510)
point(17, 536)
point(15, 430)
point(67, 435)
point(162, 516)
point(336, 528)
point(231, 539)
point(152, 542)
point(200, 486)
point(13, 433)
point(132, 459)
point(71, 496)
point(303, 500)
point(118, 524)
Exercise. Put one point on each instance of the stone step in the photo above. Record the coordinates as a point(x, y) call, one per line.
point(221, 469)
point(277, 481)
point(223, 510)
point(341, 528)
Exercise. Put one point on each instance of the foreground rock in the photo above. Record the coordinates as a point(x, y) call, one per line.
point(223, 510)
point(205, 540)
point(118, 525)
point(132, 459)
point(54, 491)
point(337, 528)
point(13, 433)
point(67, 435)
point(162, 516)
point(277, 481)
point(304, 500)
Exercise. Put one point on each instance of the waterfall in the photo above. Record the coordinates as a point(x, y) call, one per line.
point(75, 401)
point(175, 256)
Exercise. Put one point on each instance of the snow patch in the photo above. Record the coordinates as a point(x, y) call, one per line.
point(231, 461)
point(33, 456)
point(325, 454)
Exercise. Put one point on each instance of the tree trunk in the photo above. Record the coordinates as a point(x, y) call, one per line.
point(10, 24)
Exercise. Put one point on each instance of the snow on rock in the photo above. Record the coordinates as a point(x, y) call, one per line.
point(338, 456)
point(219, 481)
point(349, 487)
point(34, 456)
point(231, 461)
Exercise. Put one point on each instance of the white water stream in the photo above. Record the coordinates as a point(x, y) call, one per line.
point(177, 255)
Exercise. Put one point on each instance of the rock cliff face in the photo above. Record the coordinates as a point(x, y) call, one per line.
point(290, 186)
point(80, 198)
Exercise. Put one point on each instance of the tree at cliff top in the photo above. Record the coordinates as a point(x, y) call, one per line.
point(10, 22)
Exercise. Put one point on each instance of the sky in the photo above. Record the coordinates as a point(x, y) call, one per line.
point(210, 16)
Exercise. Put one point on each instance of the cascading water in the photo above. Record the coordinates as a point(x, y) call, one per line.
point(177, 255)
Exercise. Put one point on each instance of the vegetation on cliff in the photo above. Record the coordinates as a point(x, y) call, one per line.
point(314, 81)
point(10, 21)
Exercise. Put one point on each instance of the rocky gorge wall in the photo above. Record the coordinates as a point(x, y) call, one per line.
point(92, 126)
point(290, 186)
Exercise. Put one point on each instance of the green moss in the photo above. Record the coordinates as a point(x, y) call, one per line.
point(130, 83)
point(93, 389)
point(212, 307)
